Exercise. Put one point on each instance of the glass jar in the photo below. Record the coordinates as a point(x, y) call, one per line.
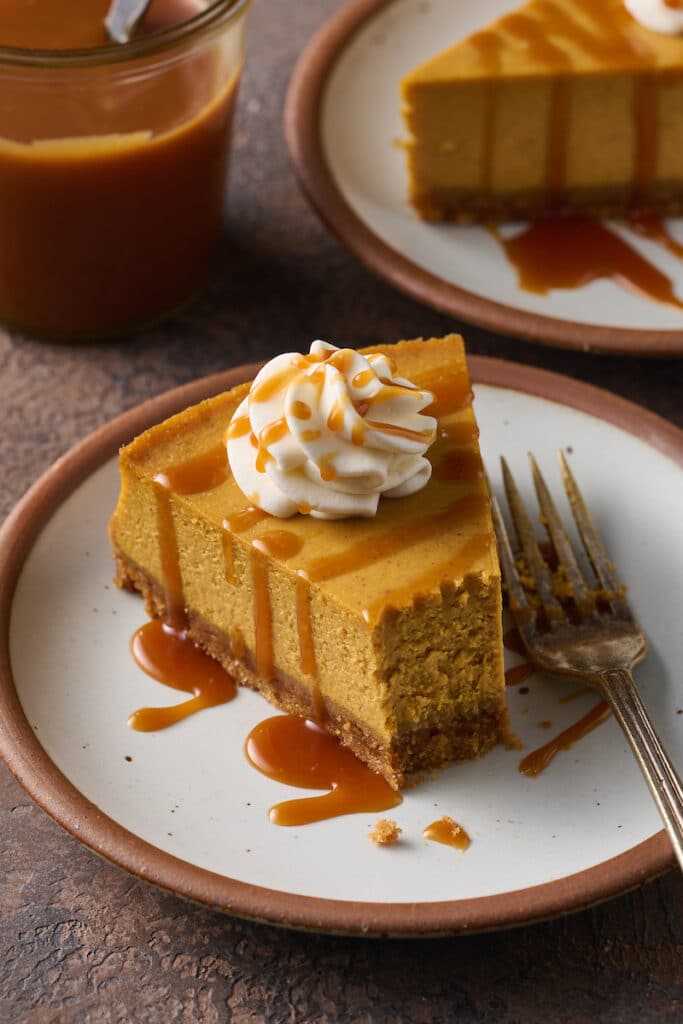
point(113, 167)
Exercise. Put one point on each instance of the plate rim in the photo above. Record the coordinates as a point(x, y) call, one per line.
point(66, 805)
point(302, 120)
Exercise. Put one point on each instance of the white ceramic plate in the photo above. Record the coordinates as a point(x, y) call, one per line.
point(342, 124)
point(183, 807)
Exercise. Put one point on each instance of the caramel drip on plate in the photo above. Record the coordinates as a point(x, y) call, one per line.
point(299, 753)
point(168, 655)
point(568, 252)
point(449, 832)
point(519, 673)
point(538, 760)
point(648, 225)
point(365, 553)
point(512, 640)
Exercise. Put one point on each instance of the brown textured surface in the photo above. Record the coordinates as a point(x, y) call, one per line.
point(80, 940)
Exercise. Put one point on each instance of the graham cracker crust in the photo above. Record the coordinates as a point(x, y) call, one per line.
point(423, 749)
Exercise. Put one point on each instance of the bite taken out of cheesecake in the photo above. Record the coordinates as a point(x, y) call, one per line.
point(559, 106)
point(385, 628)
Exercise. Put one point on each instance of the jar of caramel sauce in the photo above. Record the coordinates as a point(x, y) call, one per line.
point(113, 160)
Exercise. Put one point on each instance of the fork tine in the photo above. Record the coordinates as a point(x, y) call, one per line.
point(516, 594)
point(591, 541)
point(532, 554)
point(583, 599)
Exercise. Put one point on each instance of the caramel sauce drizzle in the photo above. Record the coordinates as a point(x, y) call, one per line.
point(238, 426)
point(202, 473)
point(450, 396)
point(458, 562)
point(518, 674)
point(278, 543)
point(396, 430)
point(270, 435)
point(170, 560)
point(364, 553)
point(459, 464)
point(460, 433)
point(650, 226)
point(538, 760)
point(263, 619)
point(298, 752)
point(449, 832)
point(168, 655)
point(301, 410)
point(568, 252)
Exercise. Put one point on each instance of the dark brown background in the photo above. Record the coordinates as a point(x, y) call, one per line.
point(82, 941)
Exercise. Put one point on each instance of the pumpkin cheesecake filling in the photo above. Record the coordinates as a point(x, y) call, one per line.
point(384, 628)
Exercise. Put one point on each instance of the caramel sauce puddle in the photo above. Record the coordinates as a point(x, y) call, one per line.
point(300, 753)
point(169, 656)
point(449, 832)
point(568, 252)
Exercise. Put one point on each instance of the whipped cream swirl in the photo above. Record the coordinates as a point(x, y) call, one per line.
point(329, 432)
point(657, 15)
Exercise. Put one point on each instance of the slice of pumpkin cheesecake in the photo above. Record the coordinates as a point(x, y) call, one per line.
point(559, 106)
point(325, 533)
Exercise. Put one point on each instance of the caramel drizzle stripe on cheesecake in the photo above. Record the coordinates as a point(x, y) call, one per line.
point(456, 565)
point(263, 616)
point(645, 113)
point(172, 579)
point(202, 473)
point(530, 31)
point(365, 553)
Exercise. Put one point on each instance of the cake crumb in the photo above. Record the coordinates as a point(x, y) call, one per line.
point(385, 833)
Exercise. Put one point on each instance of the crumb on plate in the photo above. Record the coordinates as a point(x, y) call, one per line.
point(385, 832)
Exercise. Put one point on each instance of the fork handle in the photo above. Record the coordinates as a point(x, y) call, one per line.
point(656, 765)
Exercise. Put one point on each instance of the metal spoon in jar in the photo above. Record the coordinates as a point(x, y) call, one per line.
point(123, 17)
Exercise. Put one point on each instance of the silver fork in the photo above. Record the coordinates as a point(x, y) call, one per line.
point(600, 641)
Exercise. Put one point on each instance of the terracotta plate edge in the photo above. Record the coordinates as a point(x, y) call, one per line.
point(68, 807)
point(302, 121)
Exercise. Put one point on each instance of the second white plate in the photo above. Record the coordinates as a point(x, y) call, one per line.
point(343, 124)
